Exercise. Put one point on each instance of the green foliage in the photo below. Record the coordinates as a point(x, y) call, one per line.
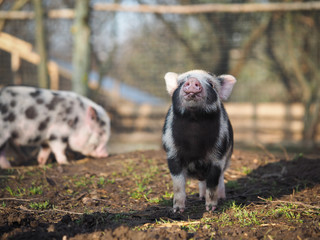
point(36, 190)
point(40, 205)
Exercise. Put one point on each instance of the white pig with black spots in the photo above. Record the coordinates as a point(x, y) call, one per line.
point(53, 120)
point(197, 134)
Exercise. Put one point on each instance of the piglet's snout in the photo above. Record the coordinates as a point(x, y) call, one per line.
point(192, 86)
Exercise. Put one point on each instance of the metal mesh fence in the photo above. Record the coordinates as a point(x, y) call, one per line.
point(135, 50)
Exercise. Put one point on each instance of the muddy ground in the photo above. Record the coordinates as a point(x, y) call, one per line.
point(129, 196)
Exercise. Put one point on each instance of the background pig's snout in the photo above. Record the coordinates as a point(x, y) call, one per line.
point(192, 86)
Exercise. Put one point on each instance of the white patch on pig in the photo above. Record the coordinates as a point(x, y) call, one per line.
point(167, 138)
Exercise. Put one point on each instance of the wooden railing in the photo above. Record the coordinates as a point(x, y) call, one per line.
point(20, 49)
point(252, 123)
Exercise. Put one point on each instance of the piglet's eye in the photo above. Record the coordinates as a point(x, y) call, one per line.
point(211, 85)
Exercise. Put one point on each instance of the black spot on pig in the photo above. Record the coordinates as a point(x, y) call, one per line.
point(80, 103)
point(64, 139)
point(14, 134)
point(13, 103)
point(45, 145)
point(68, 110)
point(34, 140)
point(35, 94)
point(102, 123)
point(73, 122)
point(53, 137)
point(10, 118)
point(212, 96)
point(40, 101)
point(31, 113)
point(44, 124)
point(55, 100)
point(3, 108)
point(2, 147)
point(12, 93)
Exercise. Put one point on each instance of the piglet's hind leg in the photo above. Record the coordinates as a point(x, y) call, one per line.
point(43, 155)
point(59, 148)
point(4, 163)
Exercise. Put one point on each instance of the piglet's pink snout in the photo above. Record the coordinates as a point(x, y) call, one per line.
point(192, 86)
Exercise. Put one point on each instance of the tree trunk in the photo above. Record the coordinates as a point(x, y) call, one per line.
point(81, 49)
point(40, 45)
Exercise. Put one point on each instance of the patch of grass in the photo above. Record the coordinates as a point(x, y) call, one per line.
point(18, 193)
point(289, 211)
point(40, 205)
point(36, 190)
point(141, 191)
point(119, 217)
point(84, 181)
point(190, 228)
point(246, 170)
point(297, 157)
point(233, 185)
point(3, 204)
point(101, 181)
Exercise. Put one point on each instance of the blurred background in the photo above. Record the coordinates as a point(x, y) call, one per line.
point(117, 53)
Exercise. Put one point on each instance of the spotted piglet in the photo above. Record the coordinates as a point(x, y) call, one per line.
point(52, 120)
point(197, 134)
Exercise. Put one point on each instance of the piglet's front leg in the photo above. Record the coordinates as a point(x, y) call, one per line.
point(179, 199)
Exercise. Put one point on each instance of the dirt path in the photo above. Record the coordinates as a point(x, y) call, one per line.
point(129, 196)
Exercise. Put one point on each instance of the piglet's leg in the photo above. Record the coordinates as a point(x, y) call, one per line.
point(202, 189)
point(221, 187)
point(212, 188)
point(4, 163)
point(179, 199)
point(43, 154)
point(58, 148)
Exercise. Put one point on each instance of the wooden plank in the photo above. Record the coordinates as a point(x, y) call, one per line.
point(174, 9)
point(209, 8)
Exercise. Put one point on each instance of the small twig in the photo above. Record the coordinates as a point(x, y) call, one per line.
point(266, 151)
point(285, 153)
point(7, 176)
point(18, 199)
point(50, 210)
point(297, 203)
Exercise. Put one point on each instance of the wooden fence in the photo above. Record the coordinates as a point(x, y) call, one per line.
point(263, 122)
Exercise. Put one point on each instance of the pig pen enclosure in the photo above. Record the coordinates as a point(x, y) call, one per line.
point(273, 182)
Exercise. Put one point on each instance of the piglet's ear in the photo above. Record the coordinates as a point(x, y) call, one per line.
point(227, 82)
point(171, 82)
point(92, 115)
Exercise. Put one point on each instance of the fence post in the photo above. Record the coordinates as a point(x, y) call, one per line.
point(40, 44)
point(81, 49)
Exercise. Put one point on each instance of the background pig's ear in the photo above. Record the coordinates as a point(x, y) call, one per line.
point(171, 82)
point(227, 82)
point(92, 114)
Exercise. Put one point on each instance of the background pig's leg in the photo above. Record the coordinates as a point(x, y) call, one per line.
point(4, 163)
point(212, 187)
point(43, 154)
point(202, 189)
point(58, 148)
point(221, 187)
point(179, 199)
